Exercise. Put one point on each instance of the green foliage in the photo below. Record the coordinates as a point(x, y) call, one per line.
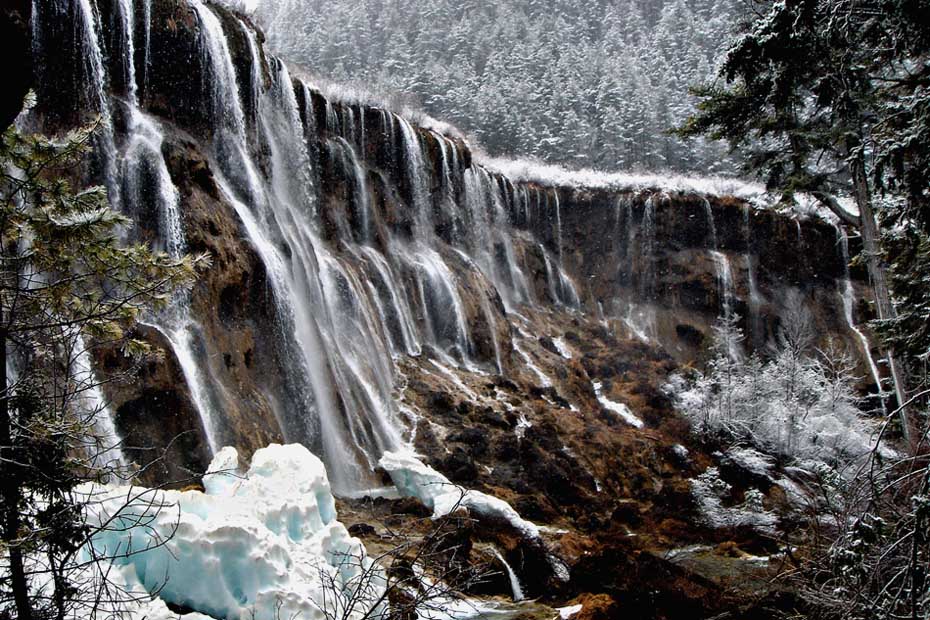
point(68, 283)
point(65, 264)
point(811, 84)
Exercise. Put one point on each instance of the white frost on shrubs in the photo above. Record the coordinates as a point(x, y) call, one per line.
point(752, 461)
point(710, 491)
point(800, 404)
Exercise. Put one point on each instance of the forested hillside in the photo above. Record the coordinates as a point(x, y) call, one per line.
point(591, 83)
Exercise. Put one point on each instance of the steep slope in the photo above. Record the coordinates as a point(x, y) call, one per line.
point(375, 287)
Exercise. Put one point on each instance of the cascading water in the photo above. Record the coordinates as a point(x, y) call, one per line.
point(724, 281)
point(416, 170)
point(848, 297)
point(721, 265)
point(640, 319)
point(558, 227)
point(93, 79)
point(360, 202)
point(755, 298)
point(515, 588)
point(144, 169)
point(561, 288)
point(107, 450)
point(709, 212)
point(341, 355)
point(147, 45)
point(399, 318)
point(490, 237)
point(349, 301)
point(447, 202)
point(143, 150)
point(442, 306)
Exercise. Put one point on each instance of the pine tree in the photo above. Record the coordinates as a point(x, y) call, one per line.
point(812, 92)
point(67, 283)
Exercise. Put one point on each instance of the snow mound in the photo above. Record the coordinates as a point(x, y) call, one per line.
point(261, 544)
point(415, 479)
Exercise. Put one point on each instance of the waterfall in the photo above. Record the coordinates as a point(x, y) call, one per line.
point(97, 81)
point(93, 80)
point(360, 203)
point(255, 73)
point(147, 46)
point(490, 240)
point(724, 280)
point(353, 417)
point(93, 88)
point(416, 171)
point(394, 297)
point(107, 449)
point(442, 306)
point(515, 587)
point(143, 160)
point(755, 298)
point(709, 212)
point(144, 170)
point(362, 281)
point(641, 319)
point(647, 249)
point(448, 204)
point(558, 227)
point(492, 329)
point(848, 297)
point(128, 51)
point(721, 265)
point(145, 167)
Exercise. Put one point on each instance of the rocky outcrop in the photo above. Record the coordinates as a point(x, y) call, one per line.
point(18, 79)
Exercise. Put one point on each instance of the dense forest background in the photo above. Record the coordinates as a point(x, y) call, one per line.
point(584, 83)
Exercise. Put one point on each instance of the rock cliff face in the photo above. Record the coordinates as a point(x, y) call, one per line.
point(374, 285)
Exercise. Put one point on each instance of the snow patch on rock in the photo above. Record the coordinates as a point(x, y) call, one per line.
point(562, 348)
point(413, 478)
point(619, 408)
point(753, 461)
point(567, 612)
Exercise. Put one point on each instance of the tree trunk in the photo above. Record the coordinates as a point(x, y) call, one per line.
point(871, 250)
point(11, 493)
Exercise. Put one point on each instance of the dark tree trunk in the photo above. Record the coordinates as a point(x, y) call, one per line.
point(871, 251)
point(11, 493)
